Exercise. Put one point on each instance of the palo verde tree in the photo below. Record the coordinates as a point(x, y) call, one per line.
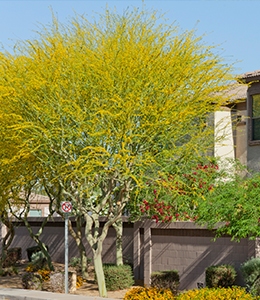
point(106, 106)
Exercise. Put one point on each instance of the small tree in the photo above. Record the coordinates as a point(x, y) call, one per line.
point(233, 208)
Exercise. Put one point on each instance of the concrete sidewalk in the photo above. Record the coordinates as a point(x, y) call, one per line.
point(19, 294)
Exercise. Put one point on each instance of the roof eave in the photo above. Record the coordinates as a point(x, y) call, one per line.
point(249, 77)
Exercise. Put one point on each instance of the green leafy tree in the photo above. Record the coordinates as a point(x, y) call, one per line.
point(233, 208)
point(105, 107)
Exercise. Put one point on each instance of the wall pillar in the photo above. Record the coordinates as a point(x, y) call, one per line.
point(257, 247)
point(137, 250)
point(147, 253)
point(224, 140)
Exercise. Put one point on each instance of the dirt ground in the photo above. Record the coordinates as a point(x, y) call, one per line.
point(88, 288)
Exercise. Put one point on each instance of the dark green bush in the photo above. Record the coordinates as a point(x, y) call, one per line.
point(166, 280)
point(251, 274)
point(118, 277)
point(220, 276)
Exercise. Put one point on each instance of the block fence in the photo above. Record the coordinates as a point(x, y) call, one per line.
point(149, 246)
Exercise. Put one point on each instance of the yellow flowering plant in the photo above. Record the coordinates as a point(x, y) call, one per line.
point(142, 293)
point(234, 293)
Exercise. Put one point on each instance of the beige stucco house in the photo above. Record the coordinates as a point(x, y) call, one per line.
point(239, 123)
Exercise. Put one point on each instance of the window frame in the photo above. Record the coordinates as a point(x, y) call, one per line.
point(251, 118)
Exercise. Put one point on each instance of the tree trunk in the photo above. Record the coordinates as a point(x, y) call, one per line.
point(118, 226)
point(24, 217)
point(95, 240)
point(7, 239)
point(46, 254)
point(43, 247)
point(82, 251)
point(99, 270)
point(96, 235)
point(83, 261)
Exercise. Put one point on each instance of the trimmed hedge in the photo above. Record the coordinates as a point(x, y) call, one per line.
point(166, 280)
point(220, 276)
point(118, 277)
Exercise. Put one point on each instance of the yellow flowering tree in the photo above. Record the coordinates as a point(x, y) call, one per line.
point(104, 107)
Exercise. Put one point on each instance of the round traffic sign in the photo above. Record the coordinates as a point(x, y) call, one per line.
point(66, 207)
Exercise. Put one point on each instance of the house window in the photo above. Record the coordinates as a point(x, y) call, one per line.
point(255, 133)
point(35, 213)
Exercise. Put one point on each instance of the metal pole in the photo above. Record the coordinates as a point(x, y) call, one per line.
point(66, 253)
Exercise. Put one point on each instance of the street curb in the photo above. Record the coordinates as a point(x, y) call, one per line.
point(21, 294)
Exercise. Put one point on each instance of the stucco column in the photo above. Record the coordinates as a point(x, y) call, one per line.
point(257, 247)
point(137, 250)
point(147, 253)
point(224, 140)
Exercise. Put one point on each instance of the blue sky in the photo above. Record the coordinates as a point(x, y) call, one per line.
point(233, 26)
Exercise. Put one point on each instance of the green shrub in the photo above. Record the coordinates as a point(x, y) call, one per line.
point(220, 276)
point(142, 293)
point(39, 261)
point(231, 293)
point(118, 277)
point(251, 274)
point(166, 280)
point(34, 249)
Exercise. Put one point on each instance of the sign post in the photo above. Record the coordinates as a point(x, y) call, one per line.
point(66, 208)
